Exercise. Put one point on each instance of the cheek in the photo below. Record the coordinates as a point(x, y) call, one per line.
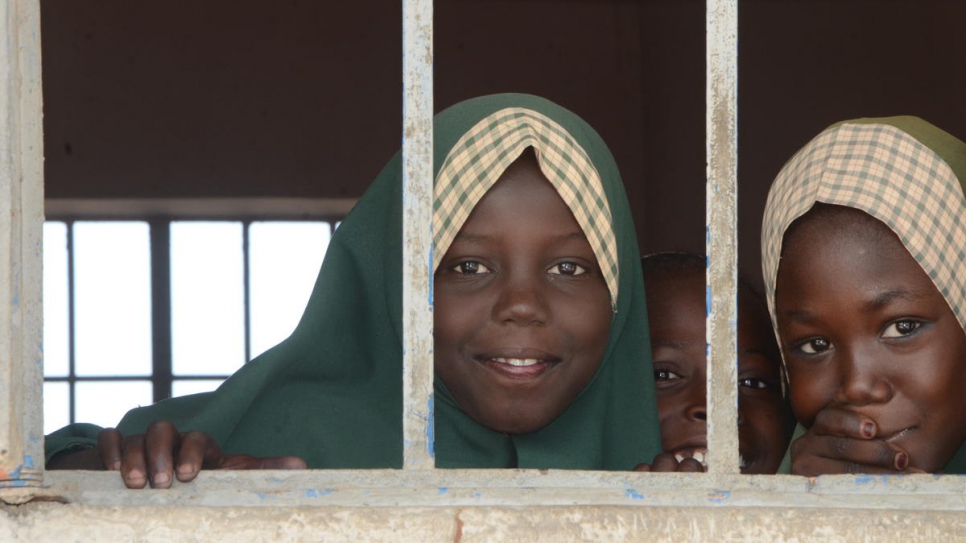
point(809, 392)
point(765, 419)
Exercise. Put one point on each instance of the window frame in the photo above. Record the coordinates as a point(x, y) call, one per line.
point(158, 214)
point(417, 485)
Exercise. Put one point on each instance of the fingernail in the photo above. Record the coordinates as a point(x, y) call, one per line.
point(868, 429)
point(902, 461)
point(135, 475)
point(185, 470)
point(161, 478)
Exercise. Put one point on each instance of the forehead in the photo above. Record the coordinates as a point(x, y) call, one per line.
point(834, 249)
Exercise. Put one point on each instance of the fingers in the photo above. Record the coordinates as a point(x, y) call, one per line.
point(245, 461)
point(837, 422)
point(814, 454)
point(109, 447)
point(198, 451)
point(161, 443)
point(133, 467)
point(666, 463)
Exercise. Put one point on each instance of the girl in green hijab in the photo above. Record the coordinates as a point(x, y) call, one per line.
point(863, 246)
point(541, 348)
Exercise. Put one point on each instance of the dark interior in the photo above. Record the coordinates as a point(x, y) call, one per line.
point(300, 98)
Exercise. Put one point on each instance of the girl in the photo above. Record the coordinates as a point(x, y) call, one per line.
point(863, 248)
point(540, 325)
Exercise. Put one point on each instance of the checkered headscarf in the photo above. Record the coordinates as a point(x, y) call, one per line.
point(481, 156)
point(903, 171)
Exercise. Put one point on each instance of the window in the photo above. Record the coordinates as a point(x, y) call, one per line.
point(420, 504)
point(182, 305)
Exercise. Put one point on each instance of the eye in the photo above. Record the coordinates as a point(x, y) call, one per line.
point(470, 267)
point(753, 382)
point(815, 346)
point(901, 328)
point(568, 268)
point(665, 375)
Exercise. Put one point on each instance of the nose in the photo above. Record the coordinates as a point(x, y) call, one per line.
point(697, 409)
point(522, 303)
point(862, 379)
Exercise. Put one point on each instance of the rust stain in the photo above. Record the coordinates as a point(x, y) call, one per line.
point(459, 527)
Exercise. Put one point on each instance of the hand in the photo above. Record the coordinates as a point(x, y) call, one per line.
point(845, 442)
point(666, 462)
point(152, 457)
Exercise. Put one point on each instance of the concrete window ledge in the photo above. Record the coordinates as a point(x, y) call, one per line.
point(483, 505)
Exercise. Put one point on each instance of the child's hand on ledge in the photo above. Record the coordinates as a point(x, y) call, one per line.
point(842, 441)
point(667, 462)
point(162, 453)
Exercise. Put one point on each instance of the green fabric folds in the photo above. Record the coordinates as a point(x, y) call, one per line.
point(332, 392)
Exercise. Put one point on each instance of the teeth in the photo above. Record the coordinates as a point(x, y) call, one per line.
point(700, 456)
point(517, 361)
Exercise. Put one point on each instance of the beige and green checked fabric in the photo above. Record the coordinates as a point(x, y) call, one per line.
point(481, 156)
point(884, 171)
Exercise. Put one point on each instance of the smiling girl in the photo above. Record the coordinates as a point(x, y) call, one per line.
point(863, 249)
point(540, 326)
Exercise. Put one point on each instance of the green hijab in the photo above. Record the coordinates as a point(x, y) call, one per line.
point(332, 392)
point(903, 171)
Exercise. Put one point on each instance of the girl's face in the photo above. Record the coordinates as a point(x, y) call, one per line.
point(863, 329)
point(522, 313)
point(676, 307)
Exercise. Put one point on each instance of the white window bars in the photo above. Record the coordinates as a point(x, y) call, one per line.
point(21, 217)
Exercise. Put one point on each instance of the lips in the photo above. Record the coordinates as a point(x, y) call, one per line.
point(890, 437)
point(518, 364)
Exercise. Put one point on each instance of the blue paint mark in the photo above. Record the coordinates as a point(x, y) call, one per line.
point(312, 493)
point(28, 461)
point(261, 495)
point(719, 496)
point(633, 494)
point(707, 301)
point(431, 429)
point(443, 490)
point(477, 495)
point(864, 479)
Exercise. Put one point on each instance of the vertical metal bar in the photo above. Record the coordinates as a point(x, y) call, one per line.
point(722, 246)
point(418, 452)
point(21, 250)
point(71, 326)
point(247, 288)
point(161, 336)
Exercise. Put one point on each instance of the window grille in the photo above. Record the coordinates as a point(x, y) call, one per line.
point(903, 501)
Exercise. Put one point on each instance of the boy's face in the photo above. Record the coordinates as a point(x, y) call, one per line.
point(864, 330)
point(676, 308)
point(522, 313)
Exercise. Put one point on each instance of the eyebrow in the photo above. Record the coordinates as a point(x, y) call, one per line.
point(469, 237)
point(679, 345)
point(880, 300)
point(884, 298)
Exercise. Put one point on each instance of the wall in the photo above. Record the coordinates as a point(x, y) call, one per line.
point(228, 98)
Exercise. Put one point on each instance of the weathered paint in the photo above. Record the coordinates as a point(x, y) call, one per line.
point(722, 246)
point(21, 224)
point(418, 448)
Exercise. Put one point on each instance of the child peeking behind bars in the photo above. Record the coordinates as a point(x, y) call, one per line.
point(540, 323)
point(863, 248)
point(675, 288)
